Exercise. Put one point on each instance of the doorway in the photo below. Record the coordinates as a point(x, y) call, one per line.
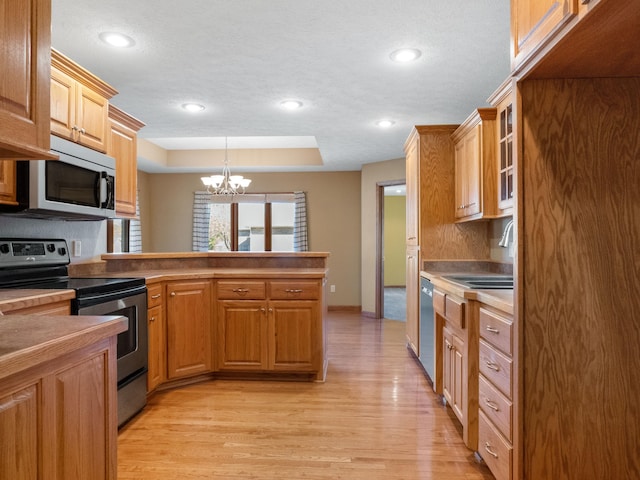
point(391, 299)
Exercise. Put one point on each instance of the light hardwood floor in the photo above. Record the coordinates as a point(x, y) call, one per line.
point(374, 418)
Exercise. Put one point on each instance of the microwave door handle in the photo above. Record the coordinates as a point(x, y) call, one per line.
point(104, 190)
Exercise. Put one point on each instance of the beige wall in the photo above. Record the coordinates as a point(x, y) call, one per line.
point(372, 174)
point(395, 221)
point(333, 214)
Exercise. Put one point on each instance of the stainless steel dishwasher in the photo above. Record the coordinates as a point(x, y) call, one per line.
point(427, 329)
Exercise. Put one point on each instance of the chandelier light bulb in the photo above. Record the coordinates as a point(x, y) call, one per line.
point(226, 184)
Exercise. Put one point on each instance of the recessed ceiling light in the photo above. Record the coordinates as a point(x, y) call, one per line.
point(291, 104)
point(192, 107)
point(405, 55)
point(117, 39)
point(385, 123)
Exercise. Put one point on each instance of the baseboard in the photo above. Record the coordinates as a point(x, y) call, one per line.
point(368, 314)
point(345, 308)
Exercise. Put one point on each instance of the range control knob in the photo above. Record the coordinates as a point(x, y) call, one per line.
point(4, 248)
point(62, 251)
point(51, 247)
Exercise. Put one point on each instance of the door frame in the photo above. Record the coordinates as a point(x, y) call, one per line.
point(379, 304)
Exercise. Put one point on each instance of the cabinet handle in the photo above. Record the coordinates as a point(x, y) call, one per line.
point(156, 296)
point(493, 366)
point(492, 405)
point(240, 290)
point(152, 319)
point(487, 447)
point(75, 128)
point(83, 131)
point(492, 329)
point(270, 310)
point(293, 290)
point(411, 238)
point(262, 309)
point(173, 294)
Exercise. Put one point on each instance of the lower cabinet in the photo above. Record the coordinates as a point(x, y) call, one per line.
point(456, 327)
point(188, 317)
point(454, 372)
point(157, 340)
point(59, 421)
point(270, 326)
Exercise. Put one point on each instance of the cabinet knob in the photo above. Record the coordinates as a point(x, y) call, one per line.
point(173, 294)
point(263, 310)
point(152, 319)
point(270, 310)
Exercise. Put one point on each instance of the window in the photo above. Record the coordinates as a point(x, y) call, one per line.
point(252, 223)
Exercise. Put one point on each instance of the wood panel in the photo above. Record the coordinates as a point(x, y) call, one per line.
point(375, 418)
point(580, 264)
point(441, 239)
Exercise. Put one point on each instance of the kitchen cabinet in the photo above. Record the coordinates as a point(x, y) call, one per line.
point(456, 329)
point(157, 363)
point(122, 145)
point(25, 37)
point(8, 182)
point(412, 180)
point(495, 433)
point(58, 419)
point(475, 160)
point(189, 323)
point(79, 103)
point(413, 298)
point(269, 325)
point(502, 99)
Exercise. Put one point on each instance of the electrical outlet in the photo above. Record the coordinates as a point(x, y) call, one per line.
point(333, 289)
point(76, 246)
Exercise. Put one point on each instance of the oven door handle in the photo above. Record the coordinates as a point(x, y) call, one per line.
point(89, 301)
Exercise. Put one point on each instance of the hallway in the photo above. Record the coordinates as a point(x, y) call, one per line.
point(375, 418)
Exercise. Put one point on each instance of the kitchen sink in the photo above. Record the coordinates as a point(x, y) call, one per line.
point(503, 282)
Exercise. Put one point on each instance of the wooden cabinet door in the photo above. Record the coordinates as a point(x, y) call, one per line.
point(505, 155)
point(63, 105)
point(467, 174)
point(25, 37)
point(92, 111)
point(188, 316)
point(84, 425)
point(20, 434)
point(458, 377)
point(8, 182)
point(413, 297)
point(242, 335)
point(534, 23)
point(412, 192)
point(157, 347)
point(123, 147)
point(294, 335)
point(447, 364)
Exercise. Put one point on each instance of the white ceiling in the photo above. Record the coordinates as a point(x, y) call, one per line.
point(241, 58)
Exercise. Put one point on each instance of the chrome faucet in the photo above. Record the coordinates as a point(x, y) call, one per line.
point(504, 241)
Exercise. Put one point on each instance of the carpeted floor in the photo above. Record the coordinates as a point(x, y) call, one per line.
point(395, 303)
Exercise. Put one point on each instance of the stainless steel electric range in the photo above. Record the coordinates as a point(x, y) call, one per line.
point(43, 263)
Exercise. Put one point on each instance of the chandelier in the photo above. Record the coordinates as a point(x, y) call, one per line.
point(226, 184)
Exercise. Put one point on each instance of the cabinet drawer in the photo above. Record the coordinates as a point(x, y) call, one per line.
point(299, 290)
point(496, 407)
point(496, 330)
point(454, 311)
point(495, 451)
point(496, 368)
point(248, 290)
point(154, 295)
point(438, 302)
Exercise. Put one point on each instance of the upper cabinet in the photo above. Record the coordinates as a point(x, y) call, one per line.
point(503, 101)
point(412, 149)
point(25, 36)
point(122, 145)
point(534, 23)
point(476, 176)
point(79, 103)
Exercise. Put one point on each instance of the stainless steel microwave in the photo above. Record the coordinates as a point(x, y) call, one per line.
point(80, 185)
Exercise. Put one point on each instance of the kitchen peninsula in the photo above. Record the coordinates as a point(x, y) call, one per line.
point(229, 313)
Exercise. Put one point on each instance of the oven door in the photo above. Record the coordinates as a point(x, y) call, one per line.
point(132, 343)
